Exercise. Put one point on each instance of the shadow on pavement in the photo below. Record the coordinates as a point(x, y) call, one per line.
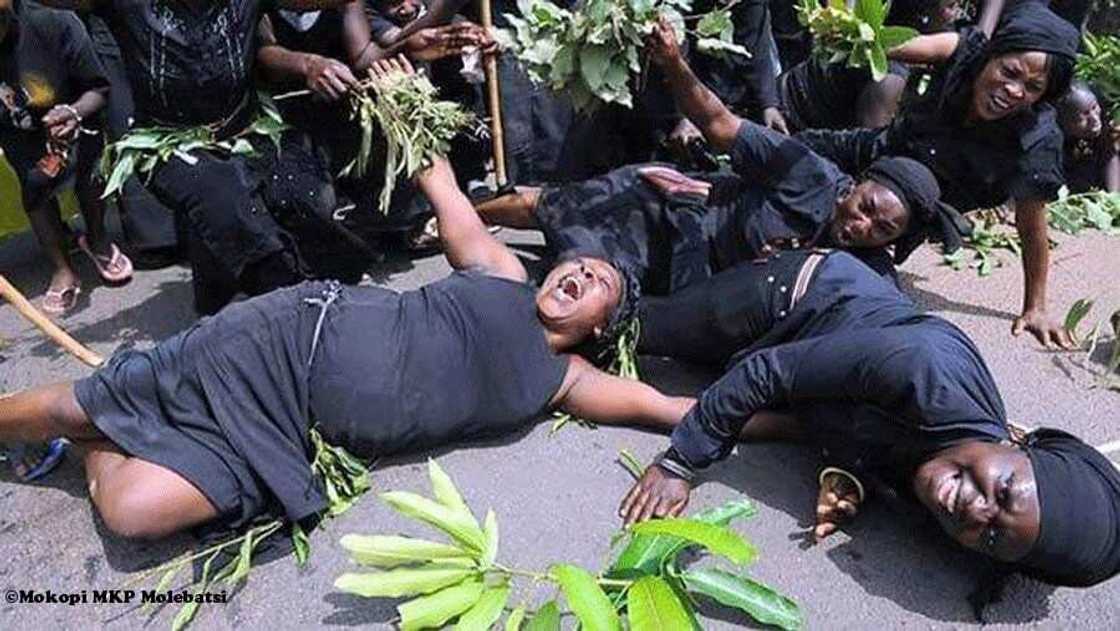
point(932, 301)
point(355, 611)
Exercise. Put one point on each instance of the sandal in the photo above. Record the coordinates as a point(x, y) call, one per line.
point(59, 301)
point(113, 269)
point(426, 237)
point(31, 462)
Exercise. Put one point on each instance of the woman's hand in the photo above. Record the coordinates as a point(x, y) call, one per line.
point(62, 122)
point(772, 118)
point(837, 502)
point(435, 43)
point(1048, 331)
point(658, 493)
point(328, 78)
point(664, 49)
point(384, 68)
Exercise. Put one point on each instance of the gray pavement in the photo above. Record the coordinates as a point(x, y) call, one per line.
point(556, 496)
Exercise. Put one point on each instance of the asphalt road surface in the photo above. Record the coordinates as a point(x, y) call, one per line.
point(556, 496)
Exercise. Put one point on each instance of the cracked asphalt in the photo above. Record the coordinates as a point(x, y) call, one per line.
point(556, 496)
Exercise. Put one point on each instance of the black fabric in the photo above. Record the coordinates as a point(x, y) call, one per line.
point(1073, 11)
point(23, 150)
point(978, 166)
point(930, 218)
point(1085, 162)
point(187, 66)
point(816, 94)
point(747, 85)
point(858, 363)
point(460, 358)
point(1079, 498)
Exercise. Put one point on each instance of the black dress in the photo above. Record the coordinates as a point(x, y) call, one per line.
point(227, 404)
point(816, 94)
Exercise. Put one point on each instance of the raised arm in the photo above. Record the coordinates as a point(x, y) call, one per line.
point(597, 396)
point(989, 16)
point(699, 104)
point(926, 50)
point(360, 47)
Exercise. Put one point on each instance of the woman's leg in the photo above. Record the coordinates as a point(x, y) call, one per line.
point(514, 210)
point(46, 222)
point(44, 413)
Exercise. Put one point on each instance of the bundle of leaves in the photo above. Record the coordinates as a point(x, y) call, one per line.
point(646, 586)
point(1108, 378)
point(1072, 213)
point(141, 150)
point(856, 35)
point(1098, 64)
point(345, 479)
point(593, 53)
point(990, 234)
point(415, 124)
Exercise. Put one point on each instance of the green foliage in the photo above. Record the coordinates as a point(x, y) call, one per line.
point(143, 149)
point(644, 588)
point(416, 126)
point(1078, 311)
point(1098, 210)
point(989, 236)
point(593, 53)
point(856, 35)
point(1099, 65)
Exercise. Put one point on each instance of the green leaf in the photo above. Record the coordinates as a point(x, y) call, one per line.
point(586, 598)
point(490, 530)
point(878, 62)
point(122, 171)
point(652, 606)
point(244, 560)
point(445, 492)
point(485, 612)
point(712, 46)
point(242, 147)
point(547, 618)
point(593, 65)
point(866, 33)
point(516, 617)
point(391, 551)
point(874, 12)
point(714, 23)
point(894, 36)
point(759, 601)
point(404, 582)
point(459, 527)
point(436, 609)
point(716, 539)
point(301, 543)
point(646, 554)
point(632, 465)
point(1077, 313)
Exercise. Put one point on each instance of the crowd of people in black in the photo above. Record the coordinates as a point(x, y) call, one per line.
point(776, 263)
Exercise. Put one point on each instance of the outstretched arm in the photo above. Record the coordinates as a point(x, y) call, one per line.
point(699, 104)
point(603, 398)
point(1034, 231)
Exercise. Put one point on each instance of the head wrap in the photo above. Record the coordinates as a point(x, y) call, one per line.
point(1032, 26)
point(1079, 499)
point(930, 218)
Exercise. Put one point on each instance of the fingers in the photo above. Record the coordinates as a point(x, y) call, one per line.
point(1017, 327)
point(635, 505)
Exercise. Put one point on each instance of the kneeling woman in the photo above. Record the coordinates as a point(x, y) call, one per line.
point(212, 425)
point(890, 392)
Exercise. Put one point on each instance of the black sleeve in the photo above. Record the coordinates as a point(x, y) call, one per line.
point(1040, 174)
point(781, 163)
point(887, 367)
point(852, 150)
point(85, 71)
point(745, 84)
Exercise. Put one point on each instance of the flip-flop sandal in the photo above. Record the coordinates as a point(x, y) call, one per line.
point(59, 301)
point(426, 238)
point(45, 458)
point(115, 268)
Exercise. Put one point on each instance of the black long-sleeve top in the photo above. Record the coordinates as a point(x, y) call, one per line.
point(745, 85)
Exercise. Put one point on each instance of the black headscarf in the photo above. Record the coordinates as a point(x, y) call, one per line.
point(930, 218)
point(1032, 26)
point(1079, 498)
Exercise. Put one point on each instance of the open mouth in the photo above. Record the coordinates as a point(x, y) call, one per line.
point(1000, 105)
point(949, 494)
point(569, 288)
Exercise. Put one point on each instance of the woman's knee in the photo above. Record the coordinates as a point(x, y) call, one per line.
point(127, 510)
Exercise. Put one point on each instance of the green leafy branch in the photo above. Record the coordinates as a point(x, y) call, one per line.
point(1098, 210)
point(461, 579)
point(989, 236)
point(1077, 313)
point(1099, 65)
point(593, 53)
point(415, 124)
point(345, 479)
point(857, 35)
point(141, 150)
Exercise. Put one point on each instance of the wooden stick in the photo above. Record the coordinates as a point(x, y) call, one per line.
point(494, 98)
point(9, 293)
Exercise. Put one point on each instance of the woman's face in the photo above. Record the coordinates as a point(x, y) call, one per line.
point(984, 496)
point(1009, 84)
point(579, 295)
point(871, 216)
point(1081, 118)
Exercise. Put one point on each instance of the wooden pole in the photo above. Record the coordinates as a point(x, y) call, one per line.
point(9, 293)
point(494, 98)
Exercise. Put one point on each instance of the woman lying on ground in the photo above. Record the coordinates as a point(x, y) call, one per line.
point(1091, 148)
point(212, 424)
point(677, 229)
point(985, 127)
point(50, 81)
point(827, 349)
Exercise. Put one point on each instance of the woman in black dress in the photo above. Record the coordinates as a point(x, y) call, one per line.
point(212, 424)
point(1090, 155)
point(985, 126)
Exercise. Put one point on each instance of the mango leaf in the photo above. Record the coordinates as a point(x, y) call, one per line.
point(712, 46)
point(301, 544)
point(485, 612)
point(459, 527)
point(894, 36)
point(587, 600)
point(716, 539)
point(444, 490)
point(516, 617)
point(391, 551)
point(759, 601)
point(1077, 313)
point(490, 530)
point(653, 606)
point(406, 582)
point(646, 554)
point(436, 609)
point(547, 618)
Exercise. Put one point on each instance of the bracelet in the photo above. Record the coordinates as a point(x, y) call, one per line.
point(827, 471)
point(73, 110)
point(675, 465)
